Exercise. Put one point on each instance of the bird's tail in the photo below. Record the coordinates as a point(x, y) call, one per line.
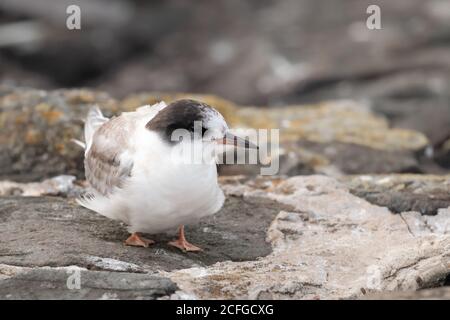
point(79, 143)
point(93, 121)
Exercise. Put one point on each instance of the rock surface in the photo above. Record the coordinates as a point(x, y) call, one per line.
point(55, 283)
point(63, 185)
point(331, 245)
point(297, 238)
point(58, 232)
point(427, 294)
point(400, 193)
point(293, 51)
point(347, 100)
point(288, 53)
point(336, 137)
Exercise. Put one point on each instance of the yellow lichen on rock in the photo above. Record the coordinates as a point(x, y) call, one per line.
point(33, 136)
point(338, 121)
point(48, 113)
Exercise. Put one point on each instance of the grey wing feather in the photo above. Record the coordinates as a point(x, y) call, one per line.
point(94, 120)
point(106, 166)
point(108, 161)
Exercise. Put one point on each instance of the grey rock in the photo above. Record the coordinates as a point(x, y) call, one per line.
point(61, 283)
point(336, 137)
point(356, 159)
point(443, 154)
point(292, 50)
point(331, 245)
point(429, 116)
point(57, 186)
point(276, 238)
point(427, 294)
point(46, 231)
point(401, 193)
point(37, 128)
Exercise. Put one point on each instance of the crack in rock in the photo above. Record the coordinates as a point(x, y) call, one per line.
point(426, 194)
point(335, 264)
point(297, 238)
point(61, 283)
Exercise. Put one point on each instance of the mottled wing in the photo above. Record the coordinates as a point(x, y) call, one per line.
point(108, 162)
point(94, 120)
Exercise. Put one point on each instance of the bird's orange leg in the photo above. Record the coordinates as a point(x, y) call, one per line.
point(182, 243)
point(138, 241)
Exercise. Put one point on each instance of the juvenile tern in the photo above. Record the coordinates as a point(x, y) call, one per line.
point(136, 173)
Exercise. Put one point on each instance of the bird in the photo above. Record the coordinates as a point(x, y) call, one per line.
point(137, 172)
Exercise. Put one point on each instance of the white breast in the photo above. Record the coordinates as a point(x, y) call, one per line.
point(162, 193)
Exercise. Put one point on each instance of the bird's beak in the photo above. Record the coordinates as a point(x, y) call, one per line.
point(236, 141)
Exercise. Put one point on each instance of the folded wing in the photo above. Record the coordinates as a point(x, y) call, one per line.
point(108, 161)
point(109, 149)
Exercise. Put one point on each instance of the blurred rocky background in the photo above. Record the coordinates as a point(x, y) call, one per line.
point(262, 53)
point(369, 109)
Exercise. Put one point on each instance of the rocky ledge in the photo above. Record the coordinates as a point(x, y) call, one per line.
point(335, 138)
point(304, 237)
